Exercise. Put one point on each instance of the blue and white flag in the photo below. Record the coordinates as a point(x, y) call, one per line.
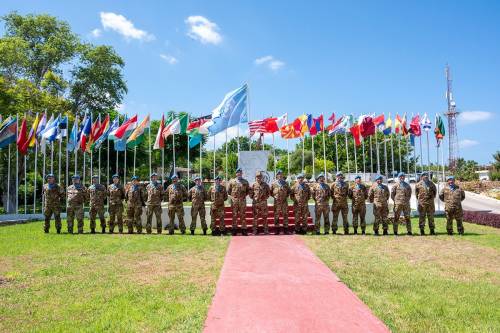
point(231, 111)
point(62, 130)
point(51, 131)
point(114, 125)
point(73, 137)
point(426, 123)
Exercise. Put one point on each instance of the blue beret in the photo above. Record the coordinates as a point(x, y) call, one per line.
point(218, 178)
point(239, 170)
point(339, 174)
point(425, 173)
point(115, 176)
point(450, 178)
point(279, 172)
point(75, 177)
point(135, 178)
point(320, 175)
point(379, 177)
point(197, 178)
point(174, 176)
point(50, 175)
point(401, 174)
point(357, 177)
point(153, 174)
point(300, 175)
point(95, 177)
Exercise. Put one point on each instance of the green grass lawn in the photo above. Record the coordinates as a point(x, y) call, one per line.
point(96, 283)
point(422, 284)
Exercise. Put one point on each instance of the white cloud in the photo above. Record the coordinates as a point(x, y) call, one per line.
point(96, 33)
point(124, 27)
point(466, 143)
point(269, 61)
point(203, 30)
point(171, 60)
point(474, 116)
point(120, 107)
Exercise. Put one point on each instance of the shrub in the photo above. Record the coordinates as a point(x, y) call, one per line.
point(482, 218)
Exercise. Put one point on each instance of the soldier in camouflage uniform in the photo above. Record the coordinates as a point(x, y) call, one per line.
point(321, 193)
point(379, 196)
point(98, 195)
point(198, 195)
point(52, 195)
point(156, 195)
point(452, 195)
point(300, 194)
point(218, 195)
point(176, 195)
point(77, 195)
point(238, 190)
point(340, 192)
point(259, 193)
point(425, 191)
point(280, 190)
point(358, 194)
point(401, 195)
point(135, 196)
point(116, 197)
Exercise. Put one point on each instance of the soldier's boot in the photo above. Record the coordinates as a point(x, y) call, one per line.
point(316, 233)
point(255, 232)
point(103, 230)
point(204, 232)
point(450, 232)
point(92, 231)
point(192, 232)
point(409, 233)
point(46, 230)
point(395, 233)
point(363, 231)
point(346, 231)
point(183, 232)
point(422, 232)
point(355, 230)
point(244, 232)
point(149, 230)
point(158, 231)
point(385, 233)
point(326, 232)
point(432, 232)
point(58, 230)
point(170, 231)
point(234, 232)
point(334, 231)
point(111, 228)
point(215, 232)
point(70, 230)
point(276, 229)
point(375, 232)
point(120, 230)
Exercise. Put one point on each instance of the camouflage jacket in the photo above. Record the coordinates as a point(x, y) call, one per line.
point(321, 193)
point(116, 194)
point(218, 195)
point(197, 195)
point(260, 192)
point(358, 194)
point(135, 196)
point(340, 192)
point(425, 192)
point(176, 194)
point(238, 189)
point(98, 195)
point(77, 195)
point(452, 197)
point(300, 194)
point(401, 193)
point(280, 190)
point(155, 193)
point(379, 195)
point(52, 195)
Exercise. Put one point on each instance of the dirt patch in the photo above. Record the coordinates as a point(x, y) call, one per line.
point(4, 281)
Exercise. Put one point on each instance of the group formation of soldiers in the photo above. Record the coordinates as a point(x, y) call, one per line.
point(238, 189)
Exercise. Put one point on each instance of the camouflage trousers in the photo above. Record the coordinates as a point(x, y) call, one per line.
point(179, 211)
point(405, 210)
point(336, 209)
point(301, 214)
point(75, 211)
point(380, 213)
point(359, 213)
point(259, 211)
point(322, 210)
point(48, 212)
point(456, 214)
point(93, 212)
point(238, 208)
point(195, 211)
point(156, 210)
point(134, 219)
point(217, 218)
point(423, 212)
point(115, 214)
point(281, 208)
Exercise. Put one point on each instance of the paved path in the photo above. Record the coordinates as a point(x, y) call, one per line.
point(276, 284)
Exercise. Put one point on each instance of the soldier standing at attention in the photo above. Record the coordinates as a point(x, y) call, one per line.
point(153, 204)
point(260, 192)
point(197, 195)
point(401, 195)
point(379, 196)
point(98, 195)
point(340, 192)
point(238, 190)
point(300, 195)
point(134, 195)
point(425, 191)
point(321, 194)
point(358, 194)
point(452, 195)
point(280, 192)
point(218, 195)
point(116, 196)
point(52, 195)
point(176, 194)
point(77, 195)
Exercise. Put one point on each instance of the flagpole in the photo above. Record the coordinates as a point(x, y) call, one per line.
point(364, 161)
point(91, 163)
point(288, 158)
point(36, 176)
point(399, 148)
point(408, 152)
point(52, 157)
point(99, 163)
point(8, 175)
point(442, 161)
point(414, 158)
point(274, 157)
point(355, 156)
point(125, 166)
point(135, 153)
point(188, 158)
point(371, 155)
point(43, 168)
point(84, 160)
point(201, 156)
point(248, 115)
point(67, 155)
point(107, 160)
point(437, 174)
point(25, 187)
point(378, 153)
point(385, 158)
point(173, 150)
point(312, 145)
point(225, 160)
point(324, 153)
point(421, 156)
point(76, 161)
point(150, 167)
point(336, 153)
point(163, 164)
point(214, 159)
point(303, 139)
point(392, 153)
point(347, 153)
point(17, 166)
point(428, 151)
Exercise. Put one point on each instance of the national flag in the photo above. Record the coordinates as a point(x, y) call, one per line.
point(32, 136)
point(231, 111)
point(85, 133)
point(426, 123)
point(108, 129)
point(94, 131)
point(137, 135)
point(41, 126)
point(439, 130)
point(126, 127)
point(172, 126)
point(183, 122)
point(401, 125)
point(366, 126)
point(257, 126)
point(8, 132)
point(22, 138)
point(63, 128)
point(160, 142)
point(120, 144)
point(195, 137)
point(51, 131)
point(197, 122)
point(337, 127)
point(388, 126)
point(415, 126)
point(356, 133)
point(379, 122)
point(45, 127)
point(289, 132)
point(274, 124)
point(300, 124)
point(103, 128)
point(72, 144)
point(316, 125)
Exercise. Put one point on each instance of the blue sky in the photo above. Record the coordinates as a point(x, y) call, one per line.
point(302, 57)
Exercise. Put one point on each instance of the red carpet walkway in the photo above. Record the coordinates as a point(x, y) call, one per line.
point(276, 284)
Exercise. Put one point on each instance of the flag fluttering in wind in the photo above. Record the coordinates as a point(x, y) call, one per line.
point(415, 126)
point(128, 126)
point(257, 126)
point(366, 127)
point(137, 135)
point(195, 137)
point(268, 125)
point(8, 132)
point(231, 111)
point(316, 125)
point(160, 142)
point(41, 127)
point(177, 125)
point(439, 130)
point(32, 136)
point(72, 144)
point(355, 130)
point(288, 132)
point(338, 127)
point(85, 132)
point(300, 124)
point(388, 126)
point(196, 129)
point(426, 123)
point(62, 130)
point(22, 138)
point(379, 122)
point(198, 122)
point(108, 128)
point(51, 131)
point(401, 125)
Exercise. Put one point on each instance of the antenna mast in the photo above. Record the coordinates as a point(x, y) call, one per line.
point(451, 114)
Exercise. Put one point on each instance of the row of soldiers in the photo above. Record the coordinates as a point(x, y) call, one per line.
point(237, 190)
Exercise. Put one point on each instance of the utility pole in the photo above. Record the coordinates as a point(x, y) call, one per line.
point(451, 114)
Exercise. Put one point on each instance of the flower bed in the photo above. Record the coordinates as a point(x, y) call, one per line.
point(482, 218)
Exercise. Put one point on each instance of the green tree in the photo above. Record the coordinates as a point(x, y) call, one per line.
point(466, 170)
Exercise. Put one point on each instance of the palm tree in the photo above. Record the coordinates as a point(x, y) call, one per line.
point(496, 157)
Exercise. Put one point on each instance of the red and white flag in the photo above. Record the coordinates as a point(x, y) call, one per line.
point(160, 142)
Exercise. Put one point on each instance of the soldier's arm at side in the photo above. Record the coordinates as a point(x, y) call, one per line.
point(462, 195)
point(441, 195)
point(370, 195)
point(393, 192)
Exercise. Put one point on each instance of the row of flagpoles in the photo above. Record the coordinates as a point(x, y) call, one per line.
point(89, 134)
